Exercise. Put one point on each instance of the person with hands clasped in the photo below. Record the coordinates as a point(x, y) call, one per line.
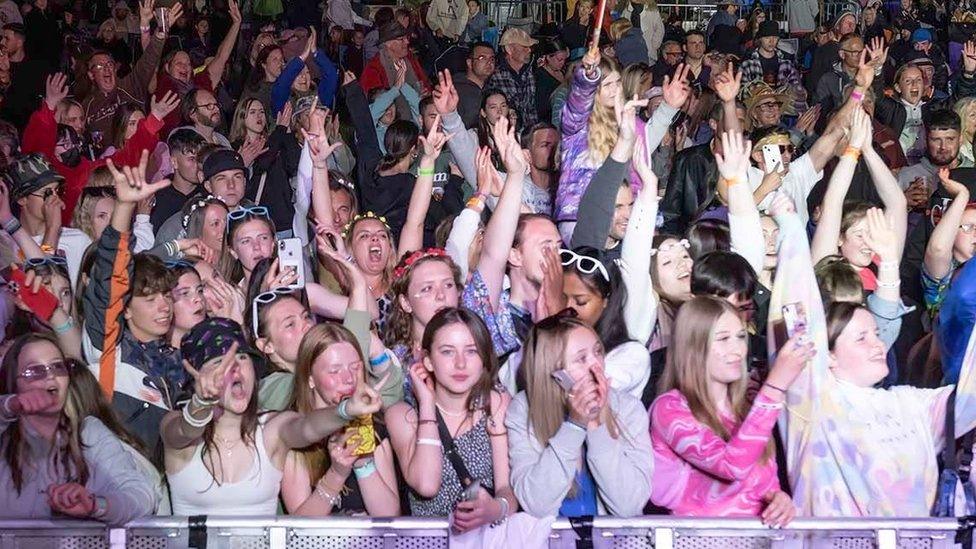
point(578, 447)
point(59, 464)
point(452, 447)
point(221, 456)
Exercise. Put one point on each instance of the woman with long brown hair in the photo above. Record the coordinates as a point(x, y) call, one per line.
point(56, 460)
point(581, 449)
point(452, 447)
point(713, 449)
point(317, 479)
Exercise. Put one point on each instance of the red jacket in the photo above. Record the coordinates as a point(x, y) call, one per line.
point(374, 75)
point(41, 136)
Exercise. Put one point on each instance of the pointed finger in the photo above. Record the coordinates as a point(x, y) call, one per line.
point(194, 373)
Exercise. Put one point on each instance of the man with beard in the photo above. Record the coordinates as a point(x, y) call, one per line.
point(109, 92)
point(942, 129)
point(201, 110)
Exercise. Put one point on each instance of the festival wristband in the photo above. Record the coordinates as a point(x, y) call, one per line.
point(853, 153)
point(730, 181)
point(857, 95)
point(425, 171)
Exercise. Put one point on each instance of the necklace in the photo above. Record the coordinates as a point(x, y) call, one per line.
point(451, 414)
point(228, 446)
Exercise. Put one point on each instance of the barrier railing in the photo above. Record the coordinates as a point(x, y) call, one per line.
point(419, 533)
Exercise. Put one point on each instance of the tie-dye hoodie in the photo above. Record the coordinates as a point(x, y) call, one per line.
point(577, 165)
point(854, 451)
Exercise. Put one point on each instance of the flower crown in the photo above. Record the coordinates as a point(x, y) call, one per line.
point(360, 217)
point(408, 261)
point(200, 203)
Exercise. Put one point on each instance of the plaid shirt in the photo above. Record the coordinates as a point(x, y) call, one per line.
point(787, 75)
point(519, 89)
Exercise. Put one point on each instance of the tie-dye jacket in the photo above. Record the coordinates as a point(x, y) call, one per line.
point(577, 165)
point(856, 451)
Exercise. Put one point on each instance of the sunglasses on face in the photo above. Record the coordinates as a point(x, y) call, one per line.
point(267, 298)
point(35, 372)
point(46, 193)
point(582, 263)
point(241, 213)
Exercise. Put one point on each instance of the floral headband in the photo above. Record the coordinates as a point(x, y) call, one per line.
point(668, 246)
point(414, 257)
point(201, 203)
point(360, 217)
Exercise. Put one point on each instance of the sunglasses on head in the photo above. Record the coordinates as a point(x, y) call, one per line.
point(46, 260)
point(267, 298)
point(582, 263)
point(34, 372)
point(243, 211)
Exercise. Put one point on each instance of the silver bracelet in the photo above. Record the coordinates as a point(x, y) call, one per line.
point(327, 497)
point(203, 403)
point(5, 406)
point(194, 422)
point(505, 508)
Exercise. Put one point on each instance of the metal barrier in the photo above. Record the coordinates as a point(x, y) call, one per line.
point(418, 533)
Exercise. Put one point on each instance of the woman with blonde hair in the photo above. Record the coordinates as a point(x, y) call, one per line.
point(94, 212)
point(713, 449)
point(317, 479)
point(590, 127)
point(966, 109)
point(577, 446)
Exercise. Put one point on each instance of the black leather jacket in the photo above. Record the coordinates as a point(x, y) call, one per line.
point(690, 185)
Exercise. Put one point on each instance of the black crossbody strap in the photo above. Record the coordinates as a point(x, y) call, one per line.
point(450, 450)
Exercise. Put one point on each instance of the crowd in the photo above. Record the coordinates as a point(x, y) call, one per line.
point(321, 259)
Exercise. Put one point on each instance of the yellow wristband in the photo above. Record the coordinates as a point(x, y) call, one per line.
point(853, 153)
point(730, 181)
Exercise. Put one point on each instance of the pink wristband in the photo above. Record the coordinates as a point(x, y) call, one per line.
point(857, 95)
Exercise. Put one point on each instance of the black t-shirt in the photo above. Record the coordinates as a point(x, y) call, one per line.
point(770, 68)
point(168, 202)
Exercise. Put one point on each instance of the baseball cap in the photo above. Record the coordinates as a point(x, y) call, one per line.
point(222, 160)
point(921, 35)
point(28, 173)
point(391, 31)
point(517, 36)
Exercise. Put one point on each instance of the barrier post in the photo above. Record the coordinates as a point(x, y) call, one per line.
point(116, 538)
point(277, 537)
point(887, 539)
point(663, 538)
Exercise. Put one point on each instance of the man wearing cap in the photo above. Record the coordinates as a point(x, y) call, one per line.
point(514, 74)
point(725, 14)
point(224, 176)
point(36, 187)
point(825, 56)
point(109, 92)
point(766, 63)
point(26, 77)
point(380, 72)
point(179, 77)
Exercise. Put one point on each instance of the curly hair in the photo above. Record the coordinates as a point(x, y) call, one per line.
point(399, 323)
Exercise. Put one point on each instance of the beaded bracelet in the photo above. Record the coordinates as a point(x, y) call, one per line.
point(341, 410)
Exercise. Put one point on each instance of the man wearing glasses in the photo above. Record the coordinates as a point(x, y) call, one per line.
point(201, 110)
point(481, 65)
point(830, 88)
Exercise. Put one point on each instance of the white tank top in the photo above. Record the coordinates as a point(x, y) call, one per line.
point(195, 492)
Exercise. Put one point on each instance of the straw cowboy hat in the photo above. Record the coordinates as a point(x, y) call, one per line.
point(759, 91)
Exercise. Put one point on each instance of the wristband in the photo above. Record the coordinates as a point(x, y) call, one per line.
point(425, 171)
point(771, 386)
point(144, 30)
point(857, 95)
point(853, 153)
point(730, 181)
point(68, 324)
point(365, 470)
point(12, 226)
point(5, 406)
point(429, 442)
point(894, 284)
point(341, 410)
point(475, 203)
point(888, 265)
point(101, 507)
point(194, 422)
point(48, 249)
point(203, 403)
point(380, 360)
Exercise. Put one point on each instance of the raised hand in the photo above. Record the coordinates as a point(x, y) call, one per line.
point(551, 298)
point(71, 499)
point(489, 183)
point(727, 84)
point(366, 400)
point(130, 183)
point(251, 150)
point(232, 8)
point(860, 129)
point(591, 60)
point(445, 94)
point(196, 247)
point(435, 139)
point(311, 44)
point(951, 186)
point(145, 12)
point(969, 57)
point(677, 90)
point(626, 115)
point(284, 115)
point(275, 278)
point(176, 11)
point(400, 68)
point(165, 105)
point(422, 383)
point(56, 89)
point(865, 71)
point(877, 52)
point(880, 236)
point(5, 213)
point(733, 162)
point(209, 381)
point(808, 120)
point(781, 205)
point(791, 360)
